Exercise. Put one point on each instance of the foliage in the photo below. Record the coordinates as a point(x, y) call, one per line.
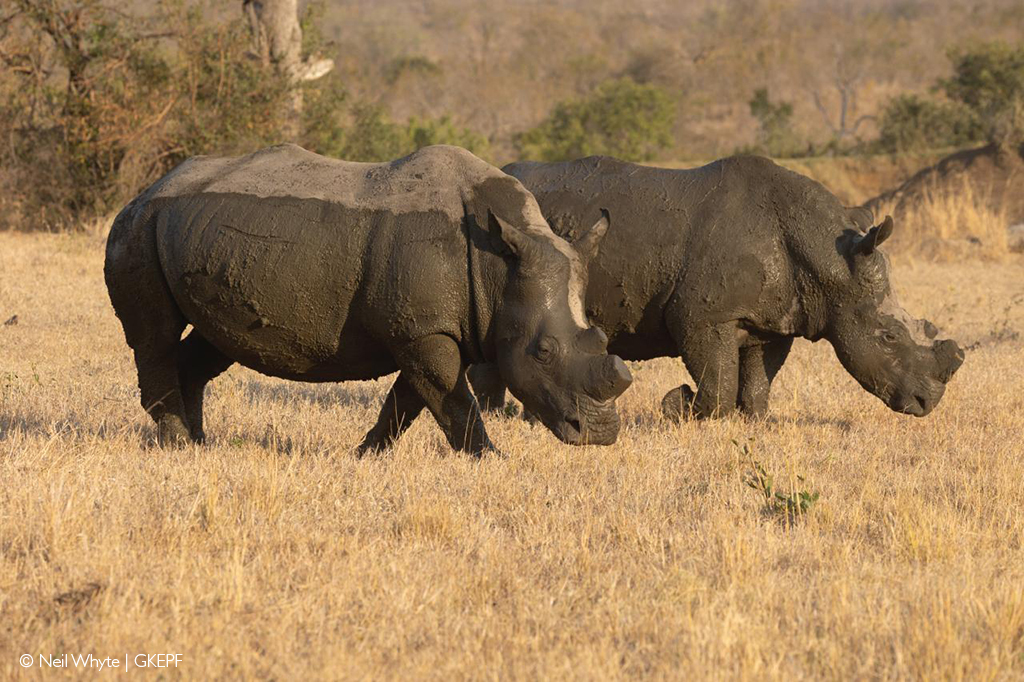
point(443, 130)
point(364, 132)
point(621, 118)
point(372, 136)
point(914, 123)
point(99, 109)
point(227, 103)
point(989, 80)
point(775, 136)
point(96, 106)
point(73, 135)
point(410, 64)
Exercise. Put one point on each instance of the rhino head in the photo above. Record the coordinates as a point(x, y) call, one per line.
point(902, 360)
point(552, 360)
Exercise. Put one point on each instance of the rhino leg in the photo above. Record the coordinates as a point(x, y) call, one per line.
point(434, 369)
point(198, 363)
point(711, 354)
point(488, 386)
point(152, 326)
point(758, 366)
point(401, 406)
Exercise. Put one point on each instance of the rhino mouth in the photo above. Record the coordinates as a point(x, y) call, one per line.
point(918, 403)
point(589, 425)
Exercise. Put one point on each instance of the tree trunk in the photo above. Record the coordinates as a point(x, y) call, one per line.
point(277, 42)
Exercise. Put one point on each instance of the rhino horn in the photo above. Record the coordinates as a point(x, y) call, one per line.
point(593, 340)
point(608, 378)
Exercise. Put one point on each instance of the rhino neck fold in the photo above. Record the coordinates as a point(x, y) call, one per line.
point(482, 305)
point(810, 320)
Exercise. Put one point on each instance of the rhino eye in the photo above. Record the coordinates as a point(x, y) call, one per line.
point(546, 348)
point(889, 337)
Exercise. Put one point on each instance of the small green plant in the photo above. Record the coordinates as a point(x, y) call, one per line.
point(790, 506)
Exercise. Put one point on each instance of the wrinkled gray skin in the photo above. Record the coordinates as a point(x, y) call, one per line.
point(313, 269)
point(724, 265)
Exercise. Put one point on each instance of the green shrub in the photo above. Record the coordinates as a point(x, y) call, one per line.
point(365, 132)
point(775, 136)
point(621, 118)
point(914, 123)
point(229, 104)
point(989, 80)
point(425, 132)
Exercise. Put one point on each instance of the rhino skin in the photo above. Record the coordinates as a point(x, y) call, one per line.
point(313, 269)
point(723, 266)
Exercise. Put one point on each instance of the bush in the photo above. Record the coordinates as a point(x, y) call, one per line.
point(444, 131)
point(72, 136)
point(913, 123)
point(364, 132)
point(775, 136)
point(99, 110)
point(96, 109)
point(621, 118)
point(989, 80)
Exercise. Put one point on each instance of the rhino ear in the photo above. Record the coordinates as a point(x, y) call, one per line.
point(867, 244)
point(862, 217)
point(589, 242)
point(515, 242)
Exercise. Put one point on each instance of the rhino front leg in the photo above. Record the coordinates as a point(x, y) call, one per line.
point(401, 406)
point(435, 371)
point(711, 354)
point(758, 366)
point(488, 386)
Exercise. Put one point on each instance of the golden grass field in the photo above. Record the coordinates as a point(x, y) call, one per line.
point(273, 553)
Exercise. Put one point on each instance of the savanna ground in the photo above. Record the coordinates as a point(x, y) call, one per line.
point(273, 553)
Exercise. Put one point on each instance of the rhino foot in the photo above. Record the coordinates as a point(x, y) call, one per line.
point(678, 403)
point(172, 432)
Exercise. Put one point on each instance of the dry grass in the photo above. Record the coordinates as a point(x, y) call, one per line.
point(274, 553)
point(947, 225)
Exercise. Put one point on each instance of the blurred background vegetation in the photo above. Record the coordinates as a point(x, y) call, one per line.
point(99, 98)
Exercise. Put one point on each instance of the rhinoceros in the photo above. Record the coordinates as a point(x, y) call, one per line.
point(724, 265)
point(315, 269)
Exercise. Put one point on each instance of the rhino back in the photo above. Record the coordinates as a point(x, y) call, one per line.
point(310, 268)
point(707, 240)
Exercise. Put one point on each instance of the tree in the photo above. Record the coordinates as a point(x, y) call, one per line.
point(277, 41)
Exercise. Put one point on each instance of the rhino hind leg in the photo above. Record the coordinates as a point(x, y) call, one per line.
point(198, 363)
point(488, 386)
point(758, 367)
point(152, 325)
point(153, 332)
point(401, 406)
point(711, 354)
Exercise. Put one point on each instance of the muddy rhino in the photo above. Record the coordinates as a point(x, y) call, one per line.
point(313, 269)
point(724, 265)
